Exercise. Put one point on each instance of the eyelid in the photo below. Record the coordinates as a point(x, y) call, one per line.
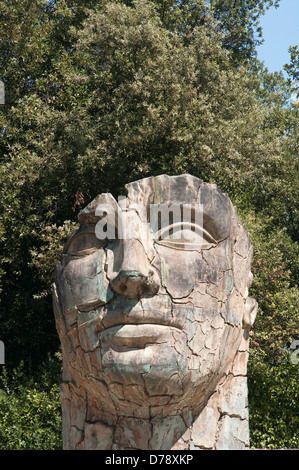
point(87, 246)
point(183, 226)
point(204, 239)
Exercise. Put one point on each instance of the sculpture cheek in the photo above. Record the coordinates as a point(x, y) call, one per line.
point(178, 271)
point(86, 281)
point(64, 291)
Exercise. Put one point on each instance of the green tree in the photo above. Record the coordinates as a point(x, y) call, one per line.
point(102, 93)
point(239, 21)
point(30, 413)
point(34, 53)
point(273, 403)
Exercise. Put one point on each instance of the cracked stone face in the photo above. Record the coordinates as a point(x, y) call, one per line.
point(149, 323)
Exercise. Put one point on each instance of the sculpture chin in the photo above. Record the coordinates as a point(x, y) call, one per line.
point(163, 366)
point(145, 354)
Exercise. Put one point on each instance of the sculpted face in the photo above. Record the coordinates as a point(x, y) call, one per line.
point(151, 312)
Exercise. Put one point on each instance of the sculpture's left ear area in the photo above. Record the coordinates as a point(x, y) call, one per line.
point(251, 307)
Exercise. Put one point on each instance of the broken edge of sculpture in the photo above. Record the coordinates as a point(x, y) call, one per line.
point(154, 328)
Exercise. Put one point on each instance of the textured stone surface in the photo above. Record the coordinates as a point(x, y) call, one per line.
point(154, 330)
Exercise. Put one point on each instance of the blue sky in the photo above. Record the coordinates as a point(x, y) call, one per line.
point(280, 31)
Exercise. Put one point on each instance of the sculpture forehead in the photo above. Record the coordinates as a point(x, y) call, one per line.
point(186, 189)
point(163, 189)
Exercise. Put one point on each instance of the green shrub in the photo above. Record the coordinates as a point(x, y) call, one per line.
point(30, 413)
point(273, 403)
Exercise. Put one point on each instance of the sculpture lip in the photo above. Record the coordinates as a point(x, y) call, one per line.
point(132, 335)
point(124, 318)
point(142, 323)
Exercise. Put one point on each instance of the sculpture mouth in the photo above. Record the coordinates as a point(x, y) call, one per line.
point(151, 319)
point(139, 335)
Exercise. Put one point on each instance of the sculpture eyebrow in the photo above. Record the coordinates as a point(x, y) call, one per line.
point(88, 215)
point(90, 219)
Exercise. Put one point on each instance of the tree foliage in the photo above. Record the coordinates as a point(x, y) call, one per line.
point(102, 93)
point(239, 20)
point(30, 413)
point(273, 396)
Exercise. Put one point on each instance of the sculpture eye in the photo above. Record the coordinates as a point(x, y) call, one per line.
point(83, 244)
point(185, 236)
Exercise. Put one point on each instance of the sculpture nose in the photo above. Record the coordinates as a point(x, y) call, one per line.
point(135, 277)
point(133, 284)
